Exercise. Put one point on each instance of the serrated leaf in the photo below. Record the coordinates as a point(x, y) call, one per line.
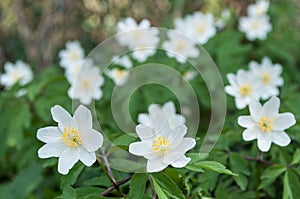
point(296, 157)
point(195, 157)
point(137, 185)
point(165, 187)
point(273, 171)
point(211, 165)
point(291, 185)
point(68, 193)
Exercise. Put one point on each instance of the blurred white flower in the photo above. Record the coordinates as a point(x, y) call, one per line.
point(266, 124)
point(244, 86)
point(119, 76)
point(71, 73)
point(269, 75)
point(87, 85)
point(19, 72)
point(259, 8)
point(197, 26)
point(138, 37)
point(190, 75)
point(174, 120)
point(74, 139)
point(72, 55)
point(122, 61)
point(255, 27)
point(160, 145)
point(180, 47)
point(221, 21)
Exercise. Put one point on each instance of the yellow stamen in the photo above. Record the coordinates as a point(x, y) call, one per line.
point(245, 90)
point(71, 137)
point(120, 73)
point(255, 25)
point(161, 145)
point(266, 78)
point(265, 124)
point(200, 28)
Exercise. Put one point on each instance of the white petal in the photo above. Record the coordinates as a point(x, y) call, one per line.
point(49, 134)
point(240, 103)
point(181, 162)
point(176, 135)
point(87, 158)
point(255, 110)
point(67, 160)
point(280, 138)
point(62, 117)
point(156, 165)
point(83, 118)
point(271, 107)
point(175, 153)
point(91, 139)
point(264, 142)
point(144, 119)
point(283, 121)
point(245, 121)
point(140, 148)
point(250, 134)
point(144, 132)
point(169, 107)
point(52, 149)
point(158, 118)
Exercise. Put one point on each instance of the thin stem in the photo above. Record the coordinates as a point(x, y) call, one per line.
point(110, 189)
point(258, 168)
point(152, 188)
point(258, 160)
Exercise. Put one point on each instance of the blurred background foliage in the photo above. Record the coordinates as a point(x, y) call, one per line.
point(34, 31)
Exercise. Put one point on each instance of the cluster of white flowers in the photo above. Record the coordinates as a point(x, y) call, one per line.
point(162, 142)
point(264, 123)
point(257, 24)
point(140, 38)
point(198, 26)
point(260, 82)
point(84, 77)
point(19, 72)
point(162, 133)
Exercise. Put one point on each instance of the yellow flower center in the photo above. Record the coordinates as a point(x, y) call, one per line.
point(120, 73)
point(85, 84)
point(16, 76)
point(200, 28)
point(265, 78)
point(161, 145)
point(245, 90)
point(71, 137)
point(74, 56)
point(255, 25)
point(180, 46)
point(265, 124)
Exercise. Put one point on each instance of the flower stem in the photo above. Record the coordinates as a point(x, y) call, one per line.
point(258, 167)
point(152, 188)
point(110, 189)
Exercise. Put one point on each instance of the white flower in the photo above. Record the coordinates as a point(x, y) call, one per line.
point(72, 55)
point(122, 61)
point(87, 85)
point(174, 120)
point(138, 37)
point(19, 72)
point(119, 76)
point(71, 73)
point(267, 125)
point(180, 47)
point(259, 8)
point(269, 75)
point(221, 21)
point(244, 86)
point(198, 26)
point(74, 139)
point(160, 145)
point(255, 27)
point(190, 75)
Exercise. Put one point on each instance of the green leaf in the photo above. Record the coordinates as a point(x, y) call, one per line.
point(72, 176)
point(211, 165)
point(68, 193)
point(98, 181)
point(137, 185)
point(273, 171)
point(84, 192)
point(296, 157)
point(165, 187)
point(291, 185)
point(195, 157)
point(239, 166)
